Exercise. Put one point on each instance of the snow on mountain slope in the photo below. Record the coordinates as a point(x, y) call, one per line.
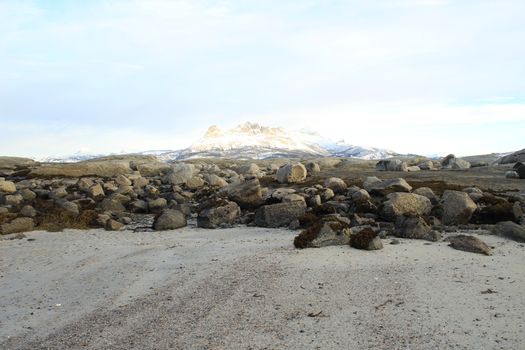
point(253, 141)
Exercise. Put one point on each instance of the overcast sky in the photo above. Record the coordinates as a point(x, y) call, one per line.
point(418, 76)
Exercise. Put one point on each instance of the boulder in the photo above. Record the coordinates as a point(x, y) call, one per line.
point(327, 194)
point(312, 168)
point(413, 168)
point(279, 214)
point(451, 162)
point(366, 239)
point(427, 165)
point(521, 171)
point(96, 192)
point(113, 225)
point(510, 230)
point(27, 194)
point(511, 174)
point(335, 184)
point(458, 207)
point(13, 200)
point(140, 182)
point(469, 244)
point(518, 156)
point(123, 181)
point(180, 174)
point(7, 186)
point(169, 220)
point(250, 169)
point(138, 206)
point(28, 211)
point(195, 182)
point(324, 233)
point(427, 192)
point(291, 173)
point(17, 225)
point(157, 205)
point(360, 196)
point(388, 186)
point(215, 181)
point(406, 204)
point(391, 165)
point(414, 228)
point(224, 215)
point(114, 202)
point(69, 207)
point(246, 194)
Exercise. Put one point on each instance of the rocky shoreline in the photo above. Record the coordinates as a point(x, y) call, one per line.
point(141, 193)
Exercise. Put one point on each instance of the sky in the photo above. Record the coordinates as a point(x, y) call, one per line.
point(414, 76)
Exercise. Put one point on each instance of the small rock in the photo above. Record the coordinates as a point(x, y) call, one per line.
point(469, 244)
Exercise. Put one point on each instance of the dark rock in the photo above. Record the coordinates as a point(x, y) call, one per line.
point(17, 225)
point(510, 230)
point(366, 239)
point(323, 233)
point(169, 220)
point(279, 214)
point(414, 228)
point(224, 215)
point(469, 244)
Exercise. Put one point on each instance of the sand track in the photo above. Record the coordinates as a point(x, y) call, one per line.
point(247, 288)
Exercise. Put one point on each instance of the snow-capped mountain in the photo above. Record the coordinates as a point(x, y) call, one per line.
point(254, 141)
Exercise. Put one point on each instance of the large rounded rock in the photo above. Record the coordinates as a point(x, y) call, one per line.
point(510, 230)
point(406, 204)
point(451, 162)
point(222, 216)
point(180, 174)
point(291, 173)
point(414, 228)
point(7, 187)
point(247, 194)
point(323, 233)
point(391, 165)
point(335, 184)
point(521, 171)
point(458, 207)
point(366, 239)
point(469, 244)
point(169, 220)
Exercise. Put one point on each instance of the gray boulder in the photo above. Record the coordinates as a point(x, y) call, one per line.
point(388, 186)
point(366, 239)
point(180, 174)
point(391, 165)
point(510, 230)
point(469, 244)
point(324, 233)
point(451, 162)
point(169, 220)
point(246, 194)
point(279, 214)
point(221, 216)
point(414, 228)
point(427, 192)
point(458, 207)
point(518, 156)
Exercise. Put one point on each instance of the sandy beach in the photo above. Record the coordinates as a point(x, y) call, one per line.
point(248, 288)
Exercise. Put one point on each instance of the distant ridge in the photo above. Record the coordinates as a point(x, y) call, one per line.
point(254, 141)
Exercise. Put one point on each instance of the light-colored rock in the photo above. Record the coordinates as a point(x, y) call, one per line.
point(427, 192)
point(335, 184)
point(28, 211)
point(113, 225)
point(406, 204)
point(195, 182)
point(312, 168)
point(7, 186)
point(414, 228)
point(96, 191)
point(27, 194)
point(215, 181)
point(458, 207)
point(157, 205)
point(323, 234)
point(291, 173)
point(150, 169)
point(14, 199)
point(123, 181)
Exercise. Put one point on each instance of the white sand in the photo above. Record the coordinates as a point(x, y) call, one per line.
point(248, 288)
